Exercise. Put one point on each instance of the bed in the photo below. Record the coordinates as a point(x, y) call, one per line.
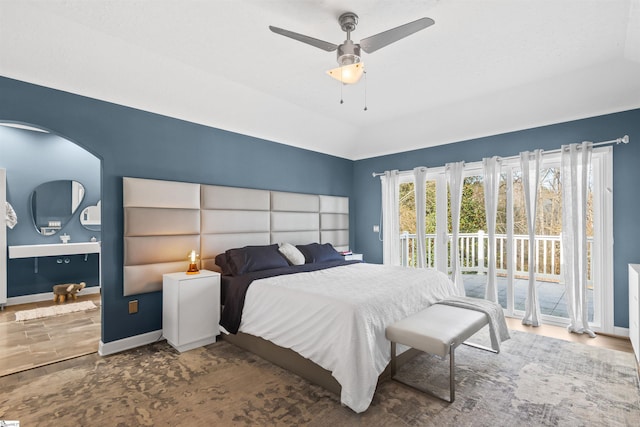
point(333, 313)
point(305, 321)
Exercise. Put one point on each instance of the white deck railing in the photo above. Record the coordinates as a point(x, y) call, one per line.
point(473, 253)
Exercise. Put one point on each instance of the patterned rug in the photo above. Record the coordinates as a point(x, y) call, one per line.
point(534, 381)
point(54, 310)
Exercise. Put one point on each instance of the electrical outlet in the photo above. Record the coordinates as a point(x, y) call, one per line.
point(133, 306)
point(376, 228)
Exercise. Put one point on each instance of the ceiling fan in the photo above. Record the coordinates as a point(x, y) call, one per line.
point(350, 68)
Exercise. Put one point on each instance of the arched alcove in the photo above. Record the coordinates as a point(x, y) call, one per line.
point(32, 156)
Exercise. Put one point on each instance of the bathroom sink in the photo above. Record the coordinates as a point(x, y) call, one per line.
point(53, 249)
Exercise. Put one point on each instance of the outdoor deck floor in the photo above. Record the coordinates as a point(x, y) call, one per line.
point(551, 295)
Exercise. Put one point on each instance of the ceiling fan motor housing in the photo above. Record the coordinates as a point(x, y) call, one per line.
point(348, 53)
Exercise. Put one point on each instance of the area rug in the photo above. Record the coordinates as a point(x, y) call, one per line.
point(54, 310)
point(534, 381)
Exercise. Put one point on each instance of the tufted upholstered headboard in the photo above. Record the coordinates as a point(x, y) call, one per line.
point(165, 220)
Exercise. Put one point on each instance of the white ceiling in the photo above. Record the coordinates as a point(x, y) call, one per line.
point(485, 67)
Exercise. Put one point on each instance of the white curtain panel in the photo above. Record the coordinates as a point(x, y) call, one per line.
point(575, 169)
point(420, 188)
point(530, 165)
point(390, 218)
point(455, 180)
point(491, 182)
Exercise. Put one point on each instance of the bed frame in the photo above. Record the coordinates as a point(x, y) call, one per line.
point(301, 366)
point(165, 220)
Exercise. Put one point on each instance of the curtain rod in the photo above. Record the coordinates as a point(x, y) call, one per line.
point(623, 140)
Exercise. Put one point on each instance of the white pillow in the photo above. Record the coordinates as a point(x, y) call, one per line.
point(291, 253)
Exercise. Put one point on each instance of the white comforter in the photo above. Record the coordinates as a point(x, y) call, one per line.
point(337, 317)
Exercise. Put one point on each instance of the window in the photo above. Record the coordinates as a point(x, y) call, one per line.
point(407, 199)
point(512, 236)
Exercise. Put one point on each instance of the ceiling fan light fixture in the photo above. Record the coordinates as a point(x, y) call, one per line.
point(348, 74)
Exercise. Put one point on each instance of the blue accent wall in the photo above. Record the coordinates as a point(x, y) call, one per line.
point(32, 158)
point(135, 143)
point(626, 178)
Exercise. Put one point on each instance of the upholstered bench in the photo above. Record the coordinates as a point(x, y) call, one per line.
point(438, 329)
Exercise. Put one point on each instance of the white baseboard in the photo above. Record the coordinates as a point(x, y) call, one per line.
point(623, 332)
point(106, 349)
point(45, 296)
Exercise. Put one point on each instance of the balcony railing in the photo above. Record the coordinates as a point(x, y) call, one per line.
point(474, 251)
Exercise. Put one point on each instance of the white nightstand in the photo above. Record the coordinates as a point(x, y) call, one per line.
point(190, 309)
point(352, 257)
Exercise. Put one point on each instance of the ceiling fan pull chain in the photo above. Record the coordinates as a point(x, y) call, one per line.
point(341, 84)
point(365, 90)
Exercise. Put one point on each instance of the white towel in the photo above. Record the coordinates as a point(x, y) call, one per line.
point(497, 324)
point(10, 216)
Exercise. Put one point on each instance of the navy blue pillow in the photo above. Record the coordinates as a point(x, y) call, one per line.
point(315, 252)
point(223, 263)
point(255, 258)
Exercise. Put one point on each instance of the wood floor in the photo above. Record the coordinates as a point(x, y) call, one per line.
point(604, 341)
point(29, 344)
point(32, 343)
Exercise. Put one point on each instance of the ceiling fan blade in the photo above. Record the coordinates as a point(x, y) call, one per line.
point(321, 44)
point(380, 40)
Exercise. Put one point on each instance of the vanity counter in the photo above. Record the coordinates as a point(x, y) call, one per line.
point(53, 249)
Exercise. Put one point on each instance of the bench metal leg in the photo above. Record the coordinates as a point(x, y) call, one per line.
point(480, 346)
point(452, 375)
point(393, 359)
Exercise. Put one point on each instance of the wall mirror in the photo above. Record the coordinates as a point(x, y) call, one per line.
point(54, 203)
point(90, 217)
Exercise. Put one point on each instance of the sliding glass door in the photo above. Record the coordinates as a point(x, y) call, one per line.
point(512, 240)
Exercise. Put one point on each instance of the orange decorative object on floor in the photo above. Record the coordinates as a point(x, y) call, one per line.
point(67, 291)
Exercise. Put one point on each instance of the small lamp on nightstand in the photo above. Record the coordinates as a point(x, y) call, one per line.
point(193, 266)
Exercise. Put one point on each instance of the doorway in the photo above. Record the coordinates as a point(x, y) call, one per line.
point(32, 158)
